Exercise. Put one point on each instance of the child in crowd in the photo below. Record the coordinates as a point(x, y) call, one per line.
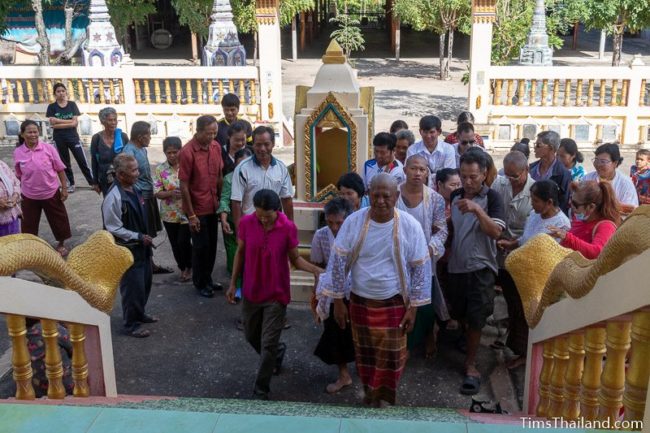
point(335, 345)
point(225, 214)
point(230, 106)
point(640, 174)
point(570, 157)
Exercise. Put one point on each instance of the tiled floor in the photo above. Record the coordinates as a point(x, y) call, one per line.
point(30, 418)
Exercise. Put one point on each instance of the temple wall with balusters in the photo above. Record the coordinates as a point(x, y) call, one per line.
point(168, 97)
point(589, 104)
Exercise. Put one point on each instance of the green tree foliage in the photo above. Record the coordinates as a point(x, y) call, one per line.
point(5, 5)
point(348, 34)
point(514, 19)
point(442, 17)
point(616, 17)
point(125, 13)
point(194, 14)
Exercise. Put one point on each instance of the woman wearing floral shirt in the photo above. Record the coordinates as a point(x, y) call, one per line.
point(167, 190)
point(9, 201)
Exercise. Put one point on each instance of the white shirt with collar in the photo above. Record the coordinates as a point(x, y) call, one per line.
point(250, 177)
point(443, 156)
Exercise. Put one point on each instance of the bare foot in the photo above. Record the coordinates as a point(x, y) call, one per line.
point(470, 370)
point(335, 387)
point(452, 325)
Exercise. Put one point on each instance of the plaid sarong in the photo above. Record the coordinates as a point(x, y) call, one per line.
point(380, 345)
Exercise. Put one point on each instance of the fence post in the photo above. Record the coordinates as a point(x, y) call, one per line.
point(483, 15)
point(631, 126)
point(127, 75)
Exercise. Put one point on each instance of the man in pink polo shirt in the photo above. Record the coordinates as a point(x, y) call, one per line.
point(266, 238)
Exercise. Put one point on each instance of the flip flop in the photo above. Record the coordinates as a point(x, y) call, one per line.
point(157, 269)
point(471, 385)
point(139, 333)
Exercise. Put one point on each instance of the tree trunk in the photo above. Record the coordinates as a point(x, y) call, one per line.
point(44, 56)
point(444, 67)
point(617, 45)
point(450, 50)
point(255, 49)
point(68, 10)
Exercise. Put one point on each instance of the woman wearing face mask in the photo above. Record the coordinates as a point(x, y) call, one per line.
point(595, 217)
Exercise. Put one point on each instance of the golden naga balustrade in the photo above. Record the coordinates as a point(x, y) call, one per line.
point(594, 372)
point(93, 270)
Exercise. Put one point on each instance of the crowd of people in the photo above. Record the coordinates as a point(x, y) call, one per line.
point(414, 243)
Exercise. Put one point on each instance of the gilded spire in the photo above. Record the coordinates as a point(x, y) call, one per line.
point(334, 54)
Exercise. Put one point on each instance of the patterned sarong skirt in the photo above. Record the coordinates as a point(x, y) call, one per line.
point(380, 345)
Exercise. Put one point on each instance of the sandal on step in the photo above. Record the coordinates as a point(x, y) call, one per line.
point(149, 319)
point(471, 385)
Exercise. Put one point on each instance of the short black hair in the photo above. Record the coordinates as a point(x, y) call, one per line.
point(57, 86)
point(475, 156)
point(571, 147)
point(430, 122)
point(612, 150)
point(338, 206)
point(385, 139)
point(267, 199)
point(464, 127)
point(522, 147)
point(263, 130)
point(642, 152)
point(204, 121)
point(172, 142)
point(465, 117)
point(230, 100)
point(139, 129)
point(244, 152)
point(352, 181)
point(397, 125)
point(444, 174)
point(546, 190)
point(238, 126)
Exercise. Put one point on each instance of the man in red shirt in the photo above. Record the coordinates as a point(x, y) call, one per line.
point(200, 175)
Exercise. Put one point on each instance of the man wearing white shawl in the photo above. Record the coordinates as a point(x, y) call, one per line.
point(428, 208)
point(380, 257)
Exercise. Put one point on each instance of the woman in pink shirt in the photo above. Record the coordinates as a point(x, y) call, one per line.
point(266, 241)
point(595, 217)
point(43, 184)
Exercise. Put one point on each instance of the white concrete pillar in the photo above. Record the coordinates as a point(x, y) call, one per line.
point(270, 68)
point(631, 127)
point(483, 15)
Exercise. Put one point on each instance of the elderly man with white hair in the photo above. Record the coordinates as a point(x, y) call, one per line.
point(381, 255)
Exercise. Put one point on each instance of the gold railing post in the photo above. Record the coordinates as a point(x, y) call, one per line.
point(120, 83)
point(573, 376)
point(614, 101)
point(20, 359)
point(624, 89)
point(138, 91)
point(590, 93)
point(188, 90)
point(21, 91)
point(30, 93)
point(544, 92)
point(147, 91)
point(81, 95)
point(602, 92)
point(521, 88)
point(50, 90)
point(545, 379)
point(102, 94)
point(560, 364)
point(210, 92)
point(242, 92)
point(497, 92)
point(510, 91)
point(594, 349)
point(578, 93)
point(168, 92)
point(156, 90)
point(40, 90)
point(179, 93)
point(612, 381)
point(111, 90)
point(643, 92)
point(533, 93)
point(199, 91)
point(79, 362)
point(254, 93)
point(567, 92)
point(556, 91)
point(231, 86)
point(53, 363)
point(638, 373)
point(220, 87)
